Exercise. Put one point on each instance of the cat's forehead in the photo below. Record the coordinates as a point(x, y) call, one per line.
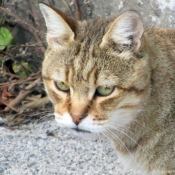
point(84, 77)
point(92, 28)
point(83, 62)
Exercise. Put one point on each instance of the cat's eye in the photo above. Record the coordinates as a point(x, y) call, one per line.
point(104, 90)
point(62, 86)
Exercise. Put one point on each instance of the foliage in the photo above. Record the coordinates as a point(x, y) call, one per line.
point(22, 68)
point(5, 38)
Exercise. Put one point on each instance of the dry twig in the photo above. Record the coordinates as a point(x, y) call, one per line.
point(35, 104)
point(23, 94)
point(8, 105)
point(51, 3)
point(35, 32)
point(78, 14)
point(67, 6)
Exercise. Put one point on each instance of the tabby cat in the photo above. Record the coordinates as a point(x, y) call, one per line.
point(109, 76)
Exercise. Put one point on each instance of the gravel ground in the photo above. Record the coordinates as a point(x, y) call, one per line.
point(31, 151)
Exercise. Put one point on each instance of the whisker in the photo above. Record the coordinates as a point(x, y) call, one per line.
point(121, 127)
point(121, 143)
point(136, 122)
point(36, 114)
point(117, 129)
point(48, 115)
point(103, 132)
point(140, 124)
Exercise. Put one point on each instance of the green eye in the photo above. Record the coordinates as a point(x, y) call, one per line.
point(62, 86)
point(104, 91)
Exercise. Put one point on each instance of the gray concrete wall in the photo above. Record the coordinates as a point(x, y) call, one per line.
point(160, 13)
point(155, 13)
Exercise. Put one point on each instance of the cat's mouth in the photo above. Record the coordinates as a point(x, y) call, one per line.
point(80, 130)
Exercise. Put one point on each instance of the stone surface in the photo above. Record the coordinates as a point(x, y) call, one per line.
point(155, 13)
point(31, 152)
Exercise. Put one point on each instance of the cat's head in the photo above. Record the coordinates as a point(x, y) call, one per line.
point(95, 72)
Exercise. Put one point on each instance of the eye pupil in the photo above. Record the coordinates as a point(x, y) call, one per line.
point(104, 90)
point(62, 86)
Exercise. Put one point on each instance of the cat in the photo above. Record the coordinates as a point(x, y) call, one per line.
point(111, 76)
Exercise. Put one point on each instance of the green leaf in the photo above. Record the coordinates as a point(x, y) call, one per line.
point(22, 69)
point(5, 38)
point(2, 21)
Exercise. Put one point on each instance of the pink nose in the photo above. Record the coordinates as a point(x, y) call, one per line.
point(77, 118)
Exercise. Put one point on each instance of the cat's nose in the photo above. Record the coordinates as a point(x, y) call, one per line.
point(77, 118)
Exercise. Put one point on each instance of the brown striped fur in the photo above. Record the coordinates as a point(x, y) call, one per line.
point(139, 115)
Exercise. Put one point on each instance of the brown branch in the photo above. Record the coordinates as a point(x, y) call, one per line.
point(28, 12)
point(36, 16)
point(22, 80)
point(23, 94)
point(9, 106)
point(51, 3)
point(24, 55)
point(38, 40)
point(65, 3)
point(87, 2)
point(78, 14)
point(35, 104)
point(12, 75)
point(25, 25)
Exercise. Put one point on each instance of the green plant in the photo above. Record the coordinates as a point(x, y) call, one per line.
point(5, 38)
point(21, 68)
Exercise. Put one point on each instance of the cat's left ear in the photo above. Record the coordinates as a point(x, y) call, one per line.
point(125, 31)
point(59, 27)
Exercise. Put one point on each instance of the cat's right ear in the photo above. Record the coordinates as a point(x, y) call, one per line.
point(59, 33)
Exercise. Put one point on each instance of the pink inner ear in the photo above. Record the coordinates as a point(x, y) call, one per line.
point(58, 30)
point(127, 29)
